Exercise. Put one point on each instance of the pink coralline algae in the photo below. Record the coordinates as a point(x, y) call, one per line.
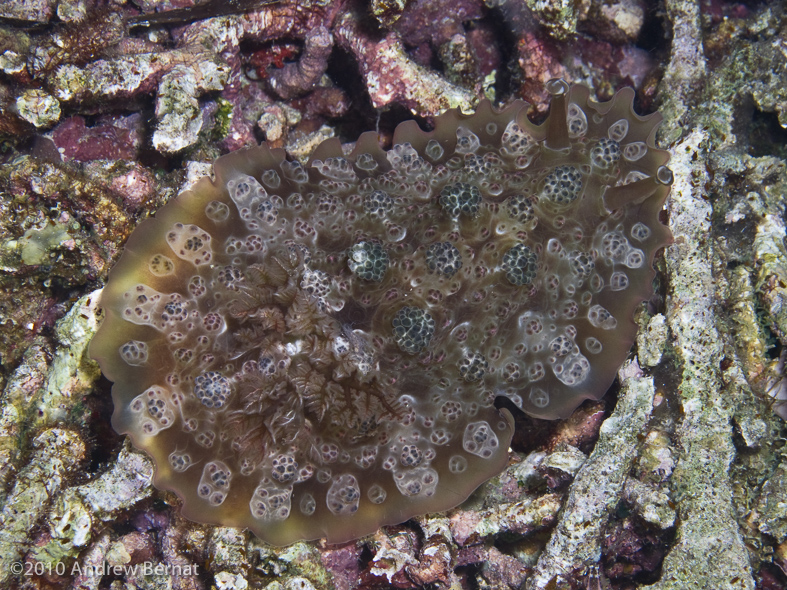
point(113, 139)
point(314, 351)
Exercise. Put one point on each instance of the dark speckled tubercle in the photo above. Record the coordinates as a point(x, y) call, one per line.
point(289, 345)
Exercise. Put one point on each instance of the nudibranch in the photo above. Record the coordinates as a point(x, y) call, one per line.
point(314, 351)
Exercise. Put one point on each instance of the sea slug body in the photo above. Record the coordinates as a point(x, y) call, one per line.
point(314, 351)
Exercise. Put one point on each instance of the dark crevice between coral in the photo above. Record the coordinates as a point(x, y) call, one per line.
point(633, 552)
point(365, 557)
point(343, 69)
point(505, 86)
point(470, 574)
point(666, 380)
point(535, 434)
point(766, 135)
point(774, 351)
point(96, 414)
point(530, 432)
point(654, 37)
point(27, 142)
point(362, 115)
point(654, 34)
point(771, 577)
point(201, 11)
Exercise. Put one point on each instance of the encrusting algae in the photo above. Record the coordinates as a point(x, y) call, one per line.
point(314, 351)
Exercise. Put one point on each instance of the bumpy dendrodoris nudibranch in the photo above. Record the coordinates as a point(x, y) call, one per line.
point(314, 351)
